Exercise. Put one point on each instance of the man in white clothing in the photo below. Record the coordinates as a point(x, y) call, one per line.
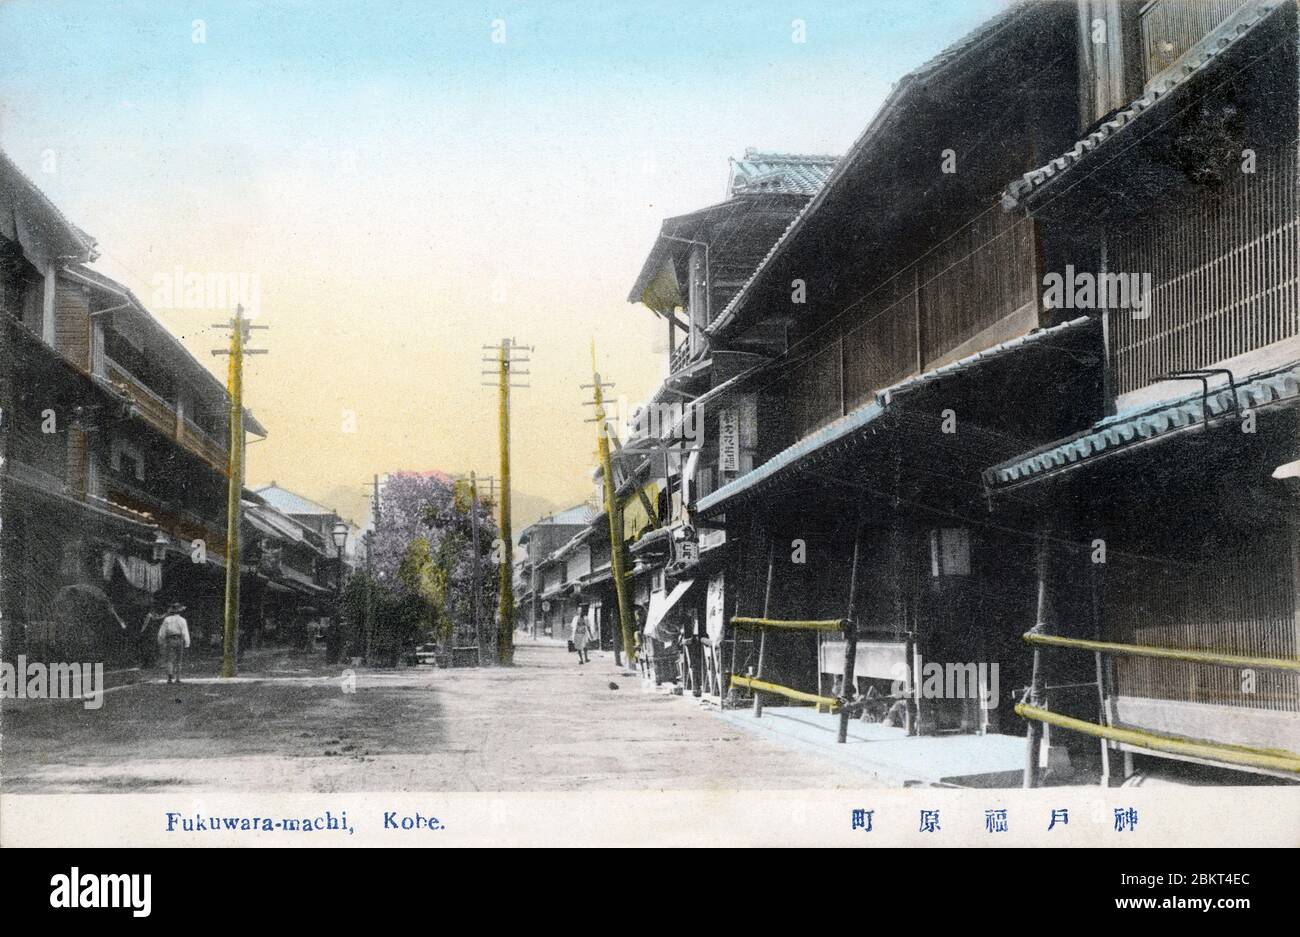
point(174, 638)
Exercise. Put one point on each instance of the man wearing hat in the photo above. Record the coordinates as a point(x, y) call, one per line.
point(174, 638)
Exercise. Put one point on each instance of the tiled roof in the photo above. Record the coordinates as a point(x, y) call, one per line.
point(746, 223)
point(779, 173)
point(286, 501)
point(1194, 63)
point(1279, 386)
point(816, 444)
point(901, 90)
point(578, 514)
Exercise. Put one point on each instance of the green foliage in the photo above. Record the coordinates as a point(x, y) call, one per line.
point(425, 563)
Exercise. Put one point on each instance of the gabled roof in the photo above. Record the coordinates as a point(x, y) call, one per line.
point(785, 173)
point(288, 502)
point(1198, 61)
point(29, 218)
point(902, 90)
point(275, 523)
point(580, 515)
point(576, 515)
point(764, 191)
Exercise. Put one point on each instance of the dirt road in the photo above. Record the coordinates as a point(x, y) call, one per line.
point(547, 724)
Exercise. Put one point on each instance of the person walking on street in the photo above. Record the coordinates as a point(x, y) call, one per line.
point(174, 638)
point(581, 634)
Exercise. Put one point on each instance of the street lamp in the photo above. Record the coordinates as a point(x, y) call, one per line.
point(340, 535)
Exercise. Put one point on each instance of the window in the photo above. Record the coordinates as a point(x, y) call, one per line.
point(127, 460)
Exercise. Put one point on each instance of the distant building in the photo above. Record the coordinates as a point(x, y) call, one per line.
point(549, 566)
point(317, 518)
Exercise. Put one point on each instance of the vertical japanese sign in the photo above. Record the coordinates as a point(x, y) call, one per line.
point(729, 440)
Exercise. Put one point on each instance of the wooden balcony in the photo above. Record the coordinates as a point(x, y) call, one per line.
point(679, 357)
point(196, 440)
point(162, 416)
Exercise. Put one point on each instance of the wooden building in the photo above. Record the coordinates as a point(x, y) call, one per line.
point(544, 589)
point(1169, 526)
point(691, 435)
point(115, 440)
point(908, 347)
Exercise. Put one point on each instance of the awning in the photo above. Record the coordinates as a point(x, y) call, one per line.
point(140, 573)
point(301, 582)
point(253, 520)
point(647, 541)
point(862, 420)
point(661, 604)
point(1124, 431)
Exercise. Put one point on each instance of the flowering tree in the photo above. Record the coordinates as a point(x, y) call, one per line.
point(424, 553)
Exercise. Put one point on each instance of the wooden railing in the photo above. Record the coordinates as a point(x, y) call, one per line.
point(196, 440)
point(679, 358)
point(162, 416)
point(154, 408)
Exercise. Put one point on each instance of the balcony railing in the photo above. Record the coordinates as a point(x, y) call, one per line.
point(679, 358)
point(198, 441)
point(162, 416)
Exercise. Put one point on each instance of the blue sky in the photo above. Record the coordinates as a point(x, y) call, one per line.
point(407, 189)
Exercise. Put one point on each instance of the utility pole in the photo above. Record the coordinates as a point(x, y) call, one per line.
point(476, 575)
point(474, 587)
point(477, 569)
point(614, 510)
point(505, 360)
point(239, 328)
point(370, 566)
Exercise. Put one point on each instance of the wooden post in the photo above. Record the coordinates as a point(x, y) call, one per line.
point(905, 616)
point(1103, 703)
point(234, 491)
point(850, 634)
point(1034, 732)
point(614, 511)
point(506, 594)
point(762, 632)
point(476, 588)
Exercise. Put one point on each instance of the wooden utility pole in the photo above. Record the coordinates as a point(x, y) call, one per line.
point(615, 512)
point(505, 360)
point(370, 566)
point(475, 588)
point(239, 329)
